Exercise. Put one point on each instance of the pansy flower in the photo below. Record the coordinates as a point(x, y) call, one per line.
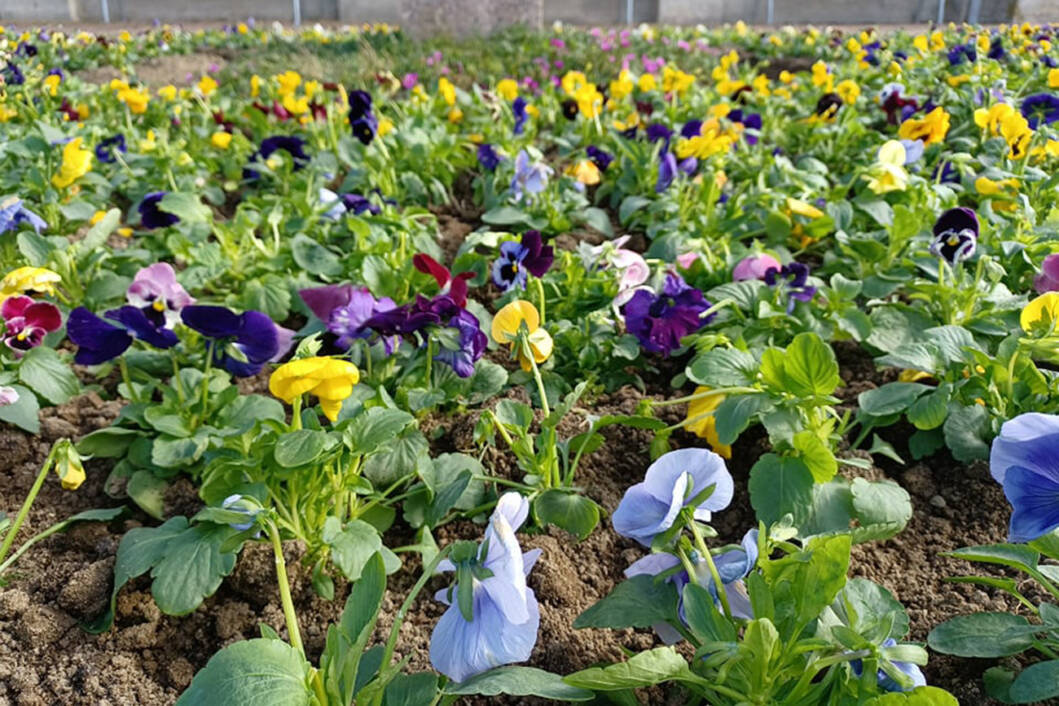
point(660, 320)
point(457, 330)
point(330, 379)
point(518, 109)
point(1025, 460)
point(151, 214)
point(667, 171)
point(28, 279)
point(13, 212)
point(955, 235)
point(291, 144)
point(27, 322)
point(507, 324)
point(896, 105)
point(156, 292)
point(517, 260)
point(455, 287)
point(827, 106)
point(1040, 108)
point(488, 157)
point(1048, 279)
point(794, 278)
point(99, 340)
point(962, 52)
point(241, 343)
point(362, 120)
point(106, 149)
point(530, 178)
point(345, 310)
point(502, 627)
point(755, 267)
point(601, 158)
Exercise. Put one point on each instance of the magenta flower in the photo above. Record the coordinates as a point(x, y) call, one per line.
point(455, 287)
point(27, 322)
point(1048, 279)
point(156, 292)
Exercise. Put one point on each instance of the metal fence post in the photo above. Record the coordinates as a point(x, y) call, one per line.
point(630, 12)
point(974, 11)
point(105, 9)
point(941, 12)
point(297, 7)
point(770, 12)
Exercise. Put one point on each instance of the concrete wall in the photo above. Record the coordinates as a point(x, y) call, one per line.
point(825, 12)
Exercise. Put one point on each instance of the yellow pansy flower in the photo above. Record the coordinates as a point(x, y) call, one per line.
point(68, 465)
point(1042, 311)
point(288, 82)
point(675, 80)
point(888, 173)
point(585, 172)
point(134, 98)
point(207, 86)
point(849, 90)
point(385, 127)
point(589, 100)
point(572, 81)
point(52, 83)
point(255, 86)
point(622, 86)
point(802, 208)
point(930, 128)
point(761, 85)
point(76, 163)
point(168, 93)
point(330, 379)
point(447, 90)
point(6, 113)
point(646, 83)
point(221, 139)
point(703, 424)
point(508, 89)
point(148, 144)
point(97, 217)
point(509, 320)
point(28, 279)
point(455, 115)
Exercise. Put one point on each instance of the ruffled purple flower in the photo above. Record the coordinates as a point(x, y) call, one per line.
point(955, 235)
point(651, 507)
point(362, 120)
point(345, 310)
point(13, 212)
point(518, 109)
point(667, 171)
point(517, 260)
point(505, 614)
point(291, 144)
point(660, 131)
point(1040, 108)
point(13, 75)
point(794, 278)
point(1025, 460)
point(156, 292)
point(106, 149)
point(151, 215)
point(242, 343)
point(1048, 279)
point(750, 121)
point(659, 321)
point(601, 158)
point(530, 178)
point(461, 348)
point(962, 52)
point(488, 157)
point(98, 340)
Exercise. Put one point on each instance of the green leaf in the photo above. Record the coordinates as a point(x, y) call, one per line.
point(186, 207)
point(879, 210)
point(780, 485)
point(1036, 682)
point(164, 420)
point(925, 443)
point(514, 414)
point(374, 427)
point(192, 568)
point(572, 512)
point(1015, 556)
point(703, 618)
point(869, 608)
point(270, 294)
point(342, 659)
point(314, 257)
point(351, 546)
point(920, 696)
point(417, 689)
point(97, 235)
point(804, 582)
point(630, 205)
point(505, 216)
point(930, 410)
point(301, 447)
point(638, 602)
point(816, 455)
point(519, 681)
point(43, 371)
point(965, 432)
point(398, 458)
point(810, 366)
point(258, 672)
point(981, 635)
point(722, 367)
point(733, 415)
point(644, 669)
point(891, 398)
point(170, 452)
point(35, 248)
point(882, 508)
point(148, 491)
point(24, 414)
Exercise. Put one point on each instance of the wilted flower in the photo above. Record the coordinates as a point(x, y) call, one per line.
point(1048, 279)
point(1025, 460)
point(106, 149)
point(330, 379)
point(68, 465)
point(501, 627)
point(156, 292)
point(955, 235)
point(672, 482)
point(507, 324)
point(659, 321)
point(27, 322)
point(519, 259)
point(345, 310)
point(13, 212)
point(530, 178)
point(151, 214)
point(754, 267)
point(794, 278)
point(241, 343)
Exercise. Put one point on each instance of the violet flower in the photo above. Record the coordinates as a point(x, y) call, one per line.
point(659, 321)
point(518, 109)
point(151, 215)
point(362, 120)
point(962, 51)
point(241, 343)
point(345, 310)
point(99, 341)
point(358, 204)
point(530, 178)
point(488, 157)
point(27, 322)
point(519, 259)
point(601, 158)
point(156, 292)
point(1040, 107)
point(106, 149)
point(750, 121)
point(462, 341)
point(955, 235)
point(13, 213)
point(291, 144)
point(505, 615)
point(1025, 460)
point(794, 279)
point(667, 171)
point(1048, 279)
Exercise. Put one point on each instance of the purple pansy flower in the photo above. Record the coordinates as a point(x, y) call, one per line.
point(794, 278)
point(601, 158)
point(99, 341)
point(517, 259)
point(156, 292)
point(750, 121)
point(1040, 107)
point(659, 321)
point(358, 204)
point(345, 310)
point(362, 120)
point(488, 157)
point(151, 216)
point(1025, 460)
point(242, 343)
point(651, 507)
point(1048, 279)
point(27, 322)
point(13, 212)
point(467, 342)
point(106, 149)
point(291, 144)
point(962, 51)
point(505, 612)
point(518, 109)
point(667, 171)
point(955, 235)
point(530, 178)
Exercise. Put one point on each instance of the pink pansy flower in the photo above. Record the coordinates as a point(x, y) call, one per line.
point(156, 292)
point(1048, 279)
point(755, 267)
point(8, 395)
point(686, 260)
point(27, 322)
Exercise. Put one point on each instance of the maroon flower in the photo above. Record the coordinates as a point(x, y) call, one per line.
point(27, 322)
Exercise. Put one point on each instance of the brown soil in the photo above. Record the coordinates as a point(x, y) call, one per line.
point(177, 69)
point(150, 658)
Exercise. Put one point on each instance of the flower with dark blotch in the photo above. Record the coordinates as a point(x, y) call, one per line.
point(517, 260)
point(13, 75)
point(955, 235)
point(1025, 460)
point(659, 131)
point(747, 120)
point(996, 48)
point(362, 120)
point(488, 157)
point(794, 278)
point(151, 215)
point(106, 149)
point(569, 108)
point(345, 310)
point(455, 287)
point(1040, 108)
point(828, 106)
point(156, 292)
point(518, 109)
point(291, 144)
point(660, 320)
point(241, 343)
point(99, 341)
point(601, 158)
point(461, 339)
point(27, 322)
point(1048, 279)
point(896, 105)
point(667, 171)
point(13, 212)
point(358, 204)
point(962, 51)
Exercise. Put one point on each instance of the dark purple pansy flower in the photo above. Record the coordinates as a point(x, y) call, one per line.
point(26, 49)
point(362, 118)
point(345, 310)
point(13, 75)
point(518, 109)
point(488, 156)
point(828, 105)
point(569, 108)
point(461, 339)
point(659, 321)
point(946, 173)
point(955, 235)
point(667, 171)
point(151, 216)
point(291, 144)
point(659, 131)
point(601, 158)
point(692, 128)
point(242, 343)
point(747, 120)
point(962, 51)
point(405, 320)
point(1049, 62)
point(794, 278)
point(105, 150)
point(996, 48)
point(1040, 107)
point(530, 256)
point(99, 341)
point(358, 204)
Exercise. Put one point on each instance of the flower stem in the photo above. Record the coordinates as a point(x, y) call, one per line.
point(284, 589)
point(296, 414)
point(700, 543)
point(703, 395)
point(126, 378)
point(9, 538)
point(540, 295)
